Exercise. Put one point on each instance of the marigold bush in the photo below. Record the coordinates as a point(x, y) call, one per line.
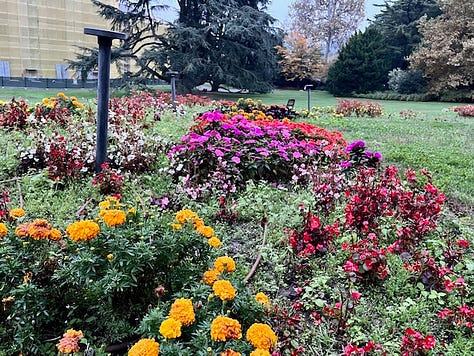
point(145, 347)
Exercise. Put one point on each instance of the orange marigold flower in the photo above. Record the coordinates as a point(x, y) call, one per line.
point(224, 289)
point(224, 328)
point(23, 229)
point(197, 223)
point(209, 277)
point(214, 242)
point(3, 230)
point(261, 336)
point(230, 352)
point(184, 215)
point(224, 264)
point(55, 235)
point(260, 352)
point(40, 229)
point(145, 347)
point(16, 213)
point(262, 299)
point(183, 311)
point(83, 230)
point(113, 217)
point(205, 231)
point(70, 342)
point(170, 328)
point(177, 226)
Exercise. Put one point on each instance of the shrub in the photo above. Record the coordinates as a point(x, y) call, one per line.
point(348, 107)
point(466, 110)
point(407, 82)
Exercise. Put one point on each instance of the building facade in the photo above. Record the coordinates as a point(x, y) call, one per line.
point(38, 36)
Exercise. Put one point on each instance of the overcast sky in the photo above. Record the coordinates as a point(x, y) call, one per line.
point(279, 10)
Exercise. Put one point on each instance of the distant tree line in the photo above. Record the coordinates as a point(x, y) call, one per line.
point(412, 46)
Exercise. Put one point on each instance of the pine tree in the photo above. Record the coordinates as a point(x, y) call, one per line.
point(361, 66)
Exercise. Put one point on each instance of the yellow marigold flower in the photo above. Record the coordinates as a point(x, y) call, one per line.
point(78, 104)
point(177, 226)
point(62, 95)
point(17, 213)
point(224, 328)
point(170, 328)
point(83, 230)
point(23, 229)
point(224, 289)
point(70, 342)
point(104, 205)
point(184, 215)
point(205, 231)
point(197, 223)
point(113, 217)
point(132, 210)
point(210, 276)
point(262, 299)
point(260, 352)
point(261, 336)
point(55, 235)
point(224, 264)
point(183, 311)
point(45, 101)
point(73, 98)
point(230, 352)
point(110, 257)
point(214, 242)
point(145, 347)
point(3, 230)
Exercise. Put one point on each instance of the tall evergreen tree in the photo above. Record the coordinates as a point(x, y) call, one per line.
point(227, 42)
point(361, 66)
point(398, 22)
point(222, 42)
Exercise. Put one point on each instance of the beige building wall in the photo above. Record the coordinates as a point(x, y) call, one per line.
point(38, 35)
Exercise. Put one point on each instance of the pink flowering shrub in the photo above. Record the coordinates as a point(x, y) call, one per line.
point(221, 153)
point(348, 107)
point(465, 110)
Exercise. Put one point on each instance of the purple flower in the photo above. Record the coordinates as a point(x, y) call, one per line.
point(345, 164)
point(297, 154)
point(219, 153)
point(378, 156)
point(235, 159)
point(355, 145)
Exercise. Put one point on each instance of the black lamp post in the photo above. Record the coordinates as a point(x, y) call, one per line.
point(104, 38)
point(308, 89)
point(173, 74)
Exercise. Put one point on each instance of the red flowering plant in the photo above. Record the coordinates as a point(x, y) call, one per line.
point(14, 114)
point(367, 260)
point(370, 348)
point(460, 316)
point(4, 200)
point(63, 160)
point(314, 237)
point(414, 343)
point(109, 180)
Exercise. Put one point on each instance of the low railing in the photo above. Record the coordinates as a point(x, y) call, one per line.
point(24, 82)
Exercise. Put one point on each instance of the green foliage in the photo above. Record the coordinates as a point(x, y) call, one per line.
point(398, 22)
point(361, 66)
point(407, 82)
